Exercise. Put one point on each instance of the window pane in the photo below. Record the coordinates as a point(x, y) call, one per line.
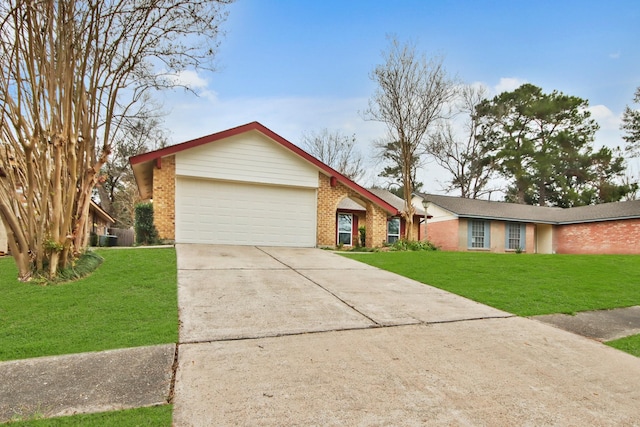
point(513, 236)
point(344, 238)
point(477, 234)
point(393, 226)
point(344, 223)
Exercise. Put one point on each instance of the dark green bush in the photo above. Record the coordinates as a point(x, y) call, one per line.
point(412, 245)
point(146, 232)
point(362, 231)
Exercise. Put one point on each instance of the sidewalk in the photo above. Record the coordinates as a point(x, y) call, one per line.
point(601, 325)
point(86, 382)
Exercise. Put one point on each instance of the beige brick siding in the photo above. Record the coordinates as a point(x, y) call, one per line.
point(328, 199)
point(164, 195)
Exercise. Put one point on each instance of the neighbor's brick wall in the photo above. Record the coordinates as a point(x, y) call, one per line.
point(530, 239)
point(164, 194)
point(444, 234)
point(609, 237)
point(328, 199)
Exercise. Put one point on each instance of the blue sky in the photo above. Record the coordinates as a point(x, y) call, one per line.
point(301, 66)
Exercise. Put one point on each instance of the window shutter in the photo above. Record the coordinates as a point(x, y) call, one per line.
point(523, 233)
point(487, 234)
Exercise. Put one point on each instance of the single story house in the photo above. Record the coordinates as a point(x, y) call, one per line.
point(100, 221)
point(458, 224)
point(250, 186)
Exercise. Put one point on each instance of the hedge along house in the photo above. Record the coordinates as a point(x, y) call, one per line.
point(250, 186)
point(457, 224)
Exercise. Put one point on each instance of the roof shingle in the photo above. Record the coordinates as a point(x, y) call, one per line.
point(475, 208)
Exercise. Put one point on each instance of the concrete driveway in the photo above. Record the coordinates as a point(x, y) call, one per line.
point(287, 336)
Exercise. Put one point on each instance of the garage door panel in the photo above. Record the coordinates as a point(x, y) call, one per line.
point(220, 212)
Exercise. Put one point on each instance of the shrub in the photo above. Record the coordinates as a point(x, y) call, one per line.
point(146, 232)
point(362, 231)
point(412, 245)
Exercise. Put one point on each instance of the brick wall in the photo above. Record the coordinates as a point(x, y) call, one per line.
point(328, 199)
point(530, 238)
point(608, 237)
point(444, 234)
point(164, 193)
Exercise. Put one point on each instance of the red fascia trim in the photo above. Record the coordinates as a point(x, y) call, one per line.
point(158, 162)
point(167, 151)
point(173, 149)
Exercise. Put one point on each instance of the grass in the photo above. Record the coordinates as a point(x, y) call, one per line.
point(151, 416)
point(629, 345)
point(523, 284)
point(129, 301)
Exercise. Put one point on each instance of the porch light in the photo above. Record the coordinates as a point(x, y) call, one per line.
point(425, 204)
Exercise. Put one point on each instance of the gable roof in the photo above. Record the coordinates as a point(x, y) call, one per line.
point(484, 209)
point(394, 200)
point(97, 209)
point(143, 164)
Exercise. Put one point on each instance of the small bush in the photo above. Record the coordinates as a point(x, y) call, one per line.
point(146, 232)
point(362, 231)
point(86, 264)
point(412, 245)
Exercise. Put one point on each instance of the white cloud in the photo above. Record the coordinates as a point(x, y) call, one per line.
point(614, 55)
point(605, 117)
point(190, 79)
point(507, 84)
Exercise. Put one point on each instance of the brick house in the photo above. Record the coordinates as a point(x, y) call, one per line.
point(100, 221)
point(250, 186)
point(457, 224)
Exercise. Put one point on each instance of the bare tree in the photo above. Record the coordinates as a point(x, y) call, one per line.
point(411, 97)
point(631, 127)
point(336, 150)
point(71, 72)
point(117, 184)
point(466, 157)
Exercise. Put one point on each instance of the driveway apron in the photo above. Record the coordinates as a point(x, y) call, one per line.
point(291, 336)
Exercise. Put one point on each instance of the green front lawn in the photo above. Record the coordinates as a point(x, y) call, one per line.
point(522, 284)
point(629, 345)
point(129, 301)
point(156, 416)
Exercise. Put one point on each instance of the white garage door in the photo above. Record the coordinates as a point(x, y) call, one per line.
point(220, 212)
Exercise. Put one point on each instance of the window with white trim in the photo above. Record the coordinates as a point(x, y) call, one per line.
point(479, 234)
point(393, 230)
point(515, 236)
point(345, 228)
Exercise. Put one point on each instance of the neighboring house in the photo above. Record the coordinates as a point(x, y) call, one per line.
point(100, 222)
point(458, 224)
point(250, 186)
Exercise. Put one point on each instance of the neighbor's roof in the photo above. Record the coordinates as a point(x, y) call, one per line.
point(143, 164)
point(484, 209)
point(101, 212)
point(348, 204)
point(394, 200)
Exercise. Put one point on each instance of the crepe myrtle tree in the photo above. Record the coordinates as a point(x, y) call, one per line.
point(72, 72)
